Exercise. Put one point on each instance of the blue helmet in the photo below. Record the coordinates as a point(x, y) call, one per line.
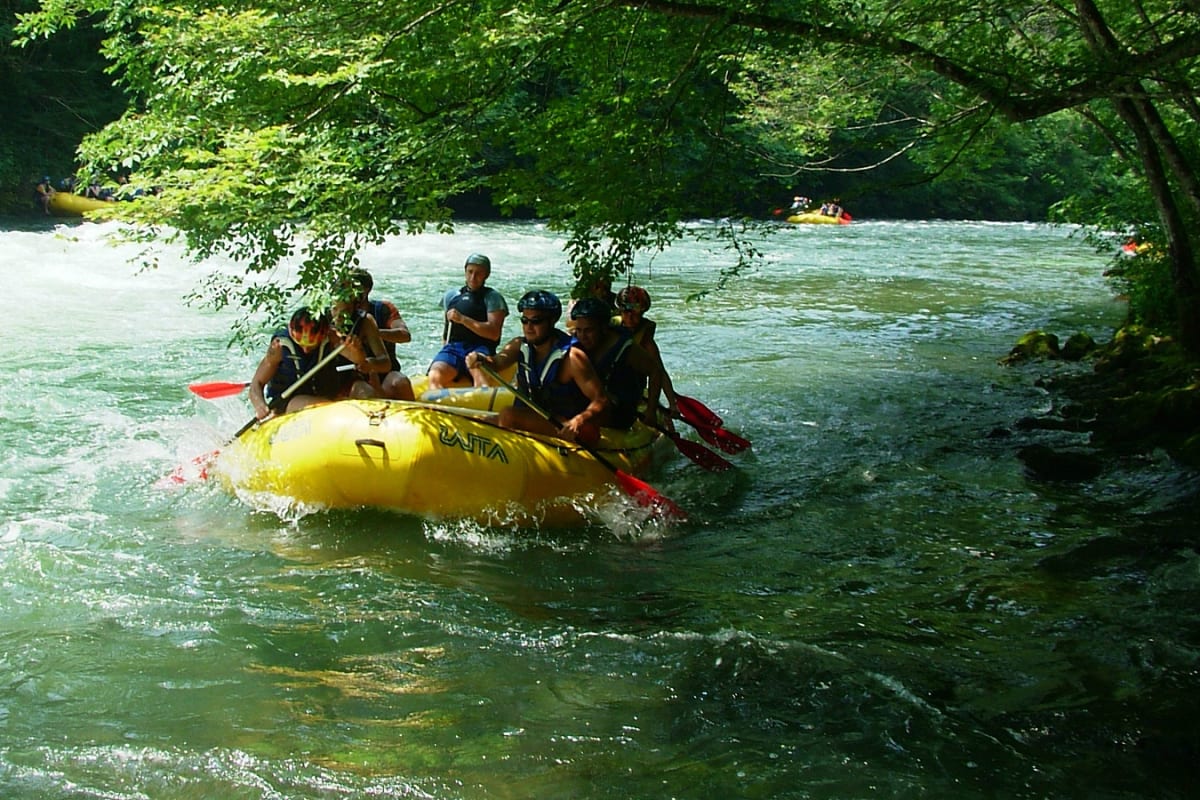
point(541, 300)
point(592, 308)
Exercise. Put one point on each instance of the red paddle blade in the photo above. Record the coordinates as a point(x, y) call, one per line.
point(215, 389)
point(700, 454)
point(195, 470)
point(692, 410)
point(646, 496)
point(728, 441)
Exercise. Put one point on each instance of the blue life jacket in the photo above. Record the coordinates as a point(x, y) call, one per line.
point(295, 363)
point(540, 381)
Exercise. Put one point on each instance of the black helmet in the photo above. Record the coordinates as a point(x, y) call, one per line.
point(479, 259)
point(541, 300)
point(592, 308)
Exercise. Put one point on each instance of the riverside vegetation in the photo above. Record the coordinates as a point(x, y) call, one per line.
point(1141, 394)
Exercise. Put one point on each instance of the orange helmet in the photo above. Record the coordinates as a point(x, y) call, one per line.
point(306, 330)
point(633, 297)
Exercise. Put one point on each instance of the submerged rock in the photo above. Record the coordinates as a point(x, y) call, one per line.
point(1046, 464)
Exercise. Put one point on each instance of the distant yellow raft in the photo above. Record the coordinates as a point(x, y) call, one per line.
point(76, 205)
point(424, 459)
point(817, 218)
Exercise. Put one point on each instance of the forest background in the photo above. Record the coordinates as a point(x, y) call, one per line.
point(615, 120)
point(59, 90)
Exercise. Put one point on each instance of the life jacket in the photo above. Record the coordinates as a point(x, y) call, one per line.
point(623, 384)
point(382, 313)
point(295, 363)
point(540, 381)
point(639, 333)
point(474, 305)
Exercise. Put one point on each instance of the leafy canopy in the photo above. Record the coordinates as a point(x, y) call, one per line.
point(291, 130)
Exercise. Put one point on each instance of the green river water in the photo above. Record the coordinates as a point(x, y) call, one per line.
point(876, 603)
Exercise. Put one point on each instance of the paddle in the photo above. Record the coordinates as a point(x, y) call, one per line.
point(697, 452)
point(177, 476)
point(726, 440)
point(639, 490)
point(692, 410)
point(710, 426)
point(216, 389)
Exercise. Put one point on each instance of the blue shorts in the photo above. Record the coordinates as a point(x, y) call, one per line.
point(455, 354)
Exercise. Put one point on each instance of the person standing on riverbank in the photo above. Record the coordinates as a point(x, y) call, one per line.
point(474, 322)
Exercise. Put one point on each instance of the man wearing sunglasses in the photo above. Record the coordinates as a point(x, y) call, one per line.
point(552, 373)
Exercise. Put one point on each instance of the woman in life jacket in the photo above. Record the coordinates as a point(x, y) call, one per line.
point(550, 371)
point(293, 351)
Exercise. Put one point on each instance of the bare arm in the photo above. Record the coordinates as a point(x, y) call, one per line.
point(365, 348)
point(396, 330)
point(668, 387)
point(262, 376)
point(579, 369)
point(505, 356)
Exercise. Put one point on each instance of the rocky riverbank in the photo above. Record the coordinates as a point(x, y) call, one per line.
point(1141, 395)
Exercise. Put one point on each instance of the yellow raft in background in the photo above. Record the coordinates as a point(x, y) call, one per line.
point(76, 205)
point(817, 218)
point(425, 459)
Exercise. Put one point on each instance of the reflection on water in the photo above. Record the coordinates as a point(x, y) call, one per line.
point(876, 602)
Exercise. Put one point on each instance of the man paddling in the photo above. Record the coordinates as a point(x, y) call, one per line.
point(556, 376)
point(304, 343)
point(626, 369)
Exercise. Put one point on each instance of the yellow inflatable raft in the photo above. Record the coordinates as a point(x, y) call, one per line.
point(422, 458)
point(817, 218)
point(75, 205)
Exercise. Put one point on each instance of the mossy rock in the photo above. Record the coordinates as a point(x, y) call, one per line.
point(1078, 347)
point(1033, 345)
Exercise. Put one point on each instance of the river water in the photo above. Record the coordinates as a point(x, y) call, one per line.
point(876, 603)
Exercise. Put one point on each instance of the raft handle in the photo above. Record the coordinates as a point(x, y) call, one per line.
point(360, 443)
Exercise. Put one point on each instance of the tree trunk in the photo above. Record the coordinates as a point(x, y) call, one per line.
point(1180, 249)
point(1156, 148)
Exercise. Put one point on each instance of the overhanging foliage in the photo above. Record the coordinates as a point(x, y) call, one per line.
point(611, 119)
